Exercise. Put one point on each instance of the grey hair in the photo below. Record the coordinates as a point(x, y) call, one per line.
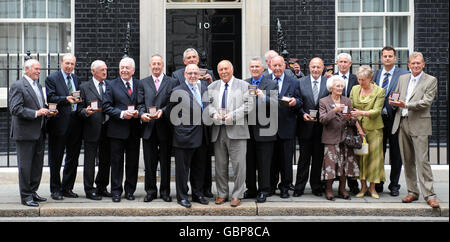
point(345, 55)
point(332, 80)
point(416, 54)
point(279, 56)
point(364, 71)
point(68, 55)
point(189, 50)
point(96, 63)
point(257, 58)
point(127, 60)
point(267, 54)
point(28, 64)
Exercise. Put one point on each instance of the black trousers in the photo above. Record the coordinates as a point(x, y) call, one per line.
point(91, 150)
point(156, 150)
point(190, 163)
point(282, 164)
point(30, 160)
point(207, 184)
point(130, 148)
point(311, 154)
point(259, 159)
point(71, 143)
point(394, 152)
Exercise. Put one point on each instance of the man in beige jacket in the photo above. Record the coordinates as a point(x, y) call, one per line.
point(413, 120)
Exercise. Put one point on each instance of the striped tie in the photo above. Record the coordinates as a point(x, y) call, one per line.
point(386, 82)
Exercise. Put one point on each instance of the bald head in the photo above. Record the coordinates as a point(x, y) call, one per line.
point(225, 69)
point(316, 67)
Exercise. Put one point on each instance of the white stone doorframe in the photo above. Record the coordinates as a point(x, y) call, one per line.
point(255, 30)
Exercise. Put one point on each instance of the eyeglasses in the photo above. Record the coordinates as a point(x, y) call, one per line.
point(193, 73)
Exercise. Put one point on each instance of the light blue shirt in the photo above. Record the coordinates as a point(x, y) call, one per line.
point(280, 83)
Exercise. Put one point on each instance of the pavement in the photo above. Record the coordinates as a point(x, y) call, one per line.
point(305, 208)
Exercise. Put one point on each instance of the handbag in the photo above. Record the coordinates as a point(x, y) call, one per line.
point(351, 140)
point(364, 150)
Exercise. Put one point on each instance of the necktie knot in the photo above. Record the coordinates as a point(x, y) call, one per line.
point(129, 88)
point(344, 76)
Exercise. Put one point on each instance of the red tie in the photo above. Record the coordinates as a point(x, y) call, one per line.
point(129, 89)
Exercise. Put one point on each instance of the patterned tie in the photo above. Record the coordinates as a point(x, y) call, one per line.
point(157, 84)
point(345, 89)
point(315, 91)
point(224, 96)
point(100, 86)
point(278, 84)
point(197, 95)
point(129, 89)
point(38, 94)
point(70, 88)
point(385, 82)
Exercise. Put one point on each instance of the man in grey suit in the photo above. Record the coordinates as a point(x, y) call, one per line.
point(413, 122)
point(27, 107)
point(229, 105)
point(387, 78)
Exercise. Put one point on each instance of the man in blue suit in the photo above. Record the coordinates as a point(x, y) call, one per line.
point(387, 78)
point(65, 129)
point(124, 130)
point(288, 87)
point(312, 89)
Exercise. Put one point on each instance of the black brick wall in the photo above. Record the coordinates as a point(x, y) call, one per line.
point(100, 33)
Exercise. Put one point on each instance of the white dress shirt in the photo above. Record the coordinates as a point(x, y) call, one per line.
point(413, 81)
point(222, 88)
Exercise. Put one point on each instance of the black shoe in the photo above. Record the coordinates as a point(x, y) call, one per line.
point(129, 196)
point(166, 198)
point(70, 194)
point(38, 198)
point(284, 194)
point(317, 193)
point(261, 198)
point(208, 194)
point(103, 193)
point(201, 200)
point(185, 203)
point(248, 194)
point(354, 190)
point(379, 187)
point(30, 203)
point(291, 187)
point(116, 198)
point(297, 193)
point(149, 197)
point(395, 192)
point(93, 196)
point(57, 196)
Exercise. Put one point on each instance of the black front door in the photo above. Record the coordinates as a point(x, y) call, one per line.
point(214, 33)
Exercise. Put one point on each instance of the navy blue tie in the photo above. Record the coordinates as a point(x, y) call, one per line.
point(224, 96)
point(385, 82)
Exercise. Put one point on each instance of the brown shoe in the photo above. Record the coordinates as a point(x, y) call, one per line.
point(221, 200)
point(409, 199)
point(235, 202)
point(433, 203)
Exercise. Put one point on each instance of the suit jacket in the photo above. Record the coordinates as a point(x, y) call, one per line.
point(352, 81)
point(92, 124)
point(373, 104)
point(238, 105)
point(179, 76)
point(116, 100)
point(287, 116)
point(419, 117)
point(308, 129)
point(23, 104)
point(392, 86)
point(266, 85)
point(193, 134)
point(147, 96)
point(333, 123)
point(57, 91)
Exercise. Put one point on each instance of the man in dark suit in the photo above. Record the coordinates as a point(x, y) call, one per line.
point(190, 136)
point(260, 146)
point(288, 88)
point(387, 78)
point(95, 124)
point(120, 103)
point(27, 107)
point(154, 91)
point(65, 129)
point(190, 56)
point(344, 63)
point(312, 89)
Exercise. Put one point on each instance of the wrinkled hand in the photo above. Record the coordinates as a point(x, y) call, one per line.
point(71, 99)
point(43, 112)
point(90, 111)
point(307, 117)
point(208, 78)
point(292, 102)
point(339, 108)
